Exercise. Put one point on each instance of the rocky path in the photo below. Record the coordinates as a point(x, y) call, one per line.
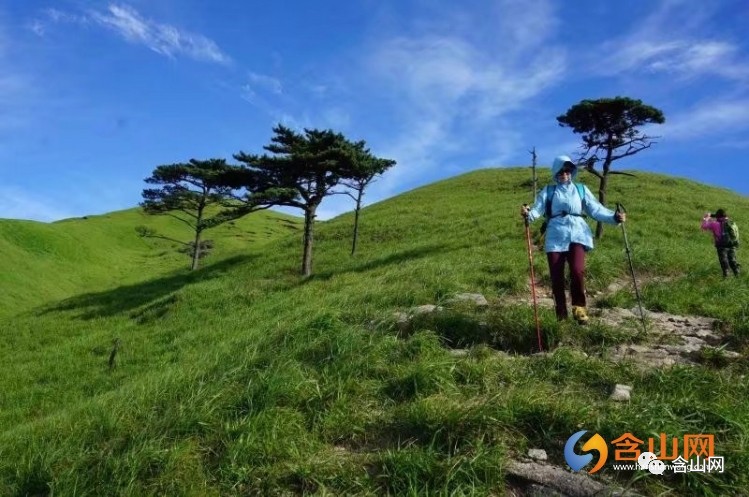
point(671, 339)
point(667, 339)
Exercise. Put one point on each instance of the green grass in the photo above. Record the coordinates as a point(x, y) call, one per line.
point(244, 379)
point(52, 261)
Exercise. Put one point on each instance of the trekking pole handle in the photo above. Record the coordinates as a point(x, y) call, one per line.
point(525, 218)
point(620, 209)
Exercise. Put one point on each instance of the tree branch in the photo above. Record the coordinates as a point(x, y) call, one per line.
point(632, 150)
point(342, 193)
point(591, 169)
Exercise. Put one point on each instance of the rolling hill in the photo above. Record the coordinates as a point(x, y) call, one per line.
point(46, 261)
point(242, 378)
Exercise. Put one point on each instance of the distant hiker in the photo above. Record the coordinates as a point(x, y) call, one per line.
point(726, 235)
point(568, 235)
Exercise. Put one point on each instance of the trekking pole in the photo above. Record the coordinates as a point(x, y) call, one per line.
point(533, 280)
point(620, 209)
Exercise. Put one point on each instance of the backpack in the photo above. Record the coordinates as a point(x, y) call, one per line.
point(550, 189)
point(729, 234)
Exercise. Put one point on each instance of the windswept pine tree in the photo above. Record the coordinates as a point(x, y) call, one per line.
point(610, 131)
point(310, 164)
point(187, 191)
point(366, 168)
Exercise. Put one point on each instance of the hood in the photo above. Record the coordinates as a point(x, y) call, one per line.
point(559, 162)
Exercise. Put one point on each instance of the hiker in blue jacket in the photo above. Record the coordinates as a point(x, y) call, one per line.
point(568, 235)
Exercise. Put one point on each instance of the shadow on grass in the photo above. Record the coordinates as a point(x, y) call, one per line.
point(508, 330)
point(156, 295)
point(512, 329)
point(388, 260)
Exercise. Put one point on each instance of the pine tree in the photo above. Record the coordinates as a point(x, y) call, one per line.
point(609, 129)
point(187, 191)
point(300, 171)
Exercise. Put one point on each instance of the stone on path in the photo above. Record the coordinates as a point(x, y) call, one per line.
point(621, 393)
point(476, 298)
point(538, 454)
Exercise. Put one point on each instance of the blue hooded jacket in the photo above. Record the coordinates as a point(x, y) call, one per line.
point(564, 229)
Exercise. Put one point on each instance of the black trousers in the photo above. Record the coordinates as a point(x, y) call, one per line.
point(727, 258)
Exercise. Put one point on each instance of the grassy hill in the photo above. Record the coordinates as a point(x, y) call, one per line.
point(244, 379)
point(46, 261)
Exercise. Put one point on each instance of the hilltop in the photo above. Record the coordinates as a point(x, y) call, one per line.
point(242, 378)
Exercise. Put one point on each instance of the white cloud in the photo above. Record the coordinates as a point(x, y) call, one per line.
point(416, 151)
point(524, 25)
point(447, 83)
point(708, 118)
point(15, 203)
point(250, 95)
point(447, 72)
point(37, 27)
point(262, 91)
point(681, 57)
point(670, 41)
point(127, 22)
point(268, 83)
point(336, 118)
point(56, 15)
point(161, 38)
point(503, 147)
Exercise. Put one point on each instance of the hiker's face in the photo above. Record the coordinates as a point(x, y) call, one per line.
point(565, 175)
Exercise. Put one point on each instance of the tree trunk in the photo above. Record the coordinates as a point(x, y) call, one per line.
point(356, 220)
point(602, 194)
point(198, 231)
point(309, 220)
point(196, 251)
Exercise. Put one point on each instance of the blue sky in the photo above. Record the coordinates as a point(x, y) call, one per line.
point(94, 94)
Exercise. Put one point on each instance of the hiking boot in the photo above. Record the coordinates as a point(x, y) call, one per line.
point(580, 314)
